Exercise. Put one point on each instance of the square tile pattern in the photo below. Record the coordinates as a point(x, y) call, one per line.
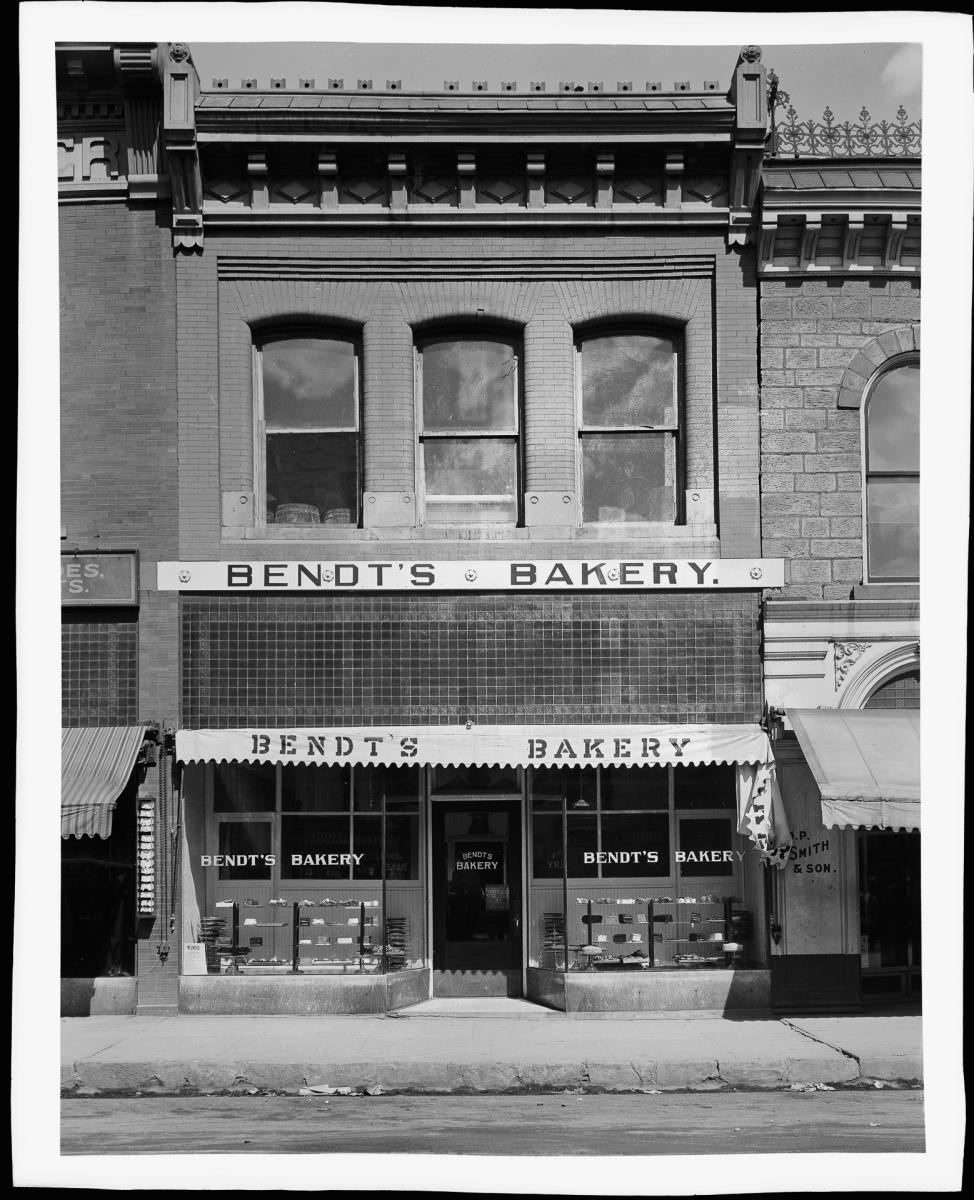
point(496, 659)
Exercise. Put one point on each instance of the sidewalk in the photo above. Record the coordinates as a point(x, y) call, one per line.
point(444, 1051)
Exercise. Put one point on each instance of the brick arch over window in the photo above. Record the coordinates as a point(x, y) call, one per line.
point(904, 339)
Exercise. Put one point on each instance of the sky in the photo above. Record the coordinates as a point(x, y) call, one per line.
point(879, 76)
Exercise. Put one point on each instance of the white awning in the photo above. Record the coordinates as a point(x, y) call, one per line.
point(866, 764)
point(481, 745)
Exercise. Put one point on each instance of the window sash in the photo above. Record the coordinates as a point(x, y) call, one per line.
point(263, 429)
point(508, 434)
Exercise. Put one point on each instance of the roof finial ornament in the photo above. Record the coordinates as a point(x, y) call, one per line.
point(751, 54)
point(179, 52)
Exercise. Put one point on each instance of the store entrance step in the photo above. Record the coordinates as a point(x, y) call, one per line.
point(475, 1006)
point(472, 983)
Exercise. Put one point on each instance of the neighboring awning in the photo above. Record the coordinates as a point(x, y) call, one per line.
point(95, 767)
point(481, 745)
point(866, 763)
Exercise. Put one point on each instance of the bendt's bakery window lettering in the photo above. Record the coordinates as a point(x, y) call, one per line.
point(295, 822)
point(633, 822)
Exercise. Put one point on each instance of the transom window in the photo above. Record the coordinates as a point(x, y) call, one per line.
point(469, 422)
point(628, 403)
point(892, 452)
point(309, 430)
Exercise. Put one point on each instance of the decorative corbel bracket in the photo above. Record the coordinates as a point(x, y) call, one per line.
point(810, 234)
point(181, 92)
point(749, 95)
point(853, 236)
point(894, 239)
point(769, 228)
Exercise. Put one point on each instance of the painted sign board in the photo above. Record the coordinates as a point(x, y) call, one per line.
point(525, 575)
point(194, 958)
point(107, 578)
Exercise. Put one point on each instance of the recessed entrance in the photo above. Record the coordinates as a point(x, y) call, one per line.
point(476, 855)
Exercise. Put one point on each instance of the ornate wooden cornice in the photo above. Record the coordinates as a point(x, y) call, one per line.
point(840, 216)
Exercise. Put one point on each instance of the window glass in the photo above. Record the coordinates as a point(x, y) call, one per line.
point(402, 846)
point(705, 841)
point(319, 470)
point(892, 437)
point(469, 385)
point(243, 787)
point(582, 840)
point(309, 383)
point(893, 522)
point(460, 780)
point(582, 787)
point(628, 380)
point(704, 787)
point(547, 787)
point(324, 840)
point(310, 411)
point(547, 855)
point(635, 787)
point(367, 845)
point(248, 843)
point(628, 479)
point(629, 840)
point(402, 786)
point(893, 421)
point(314, 789)
point(901, 692)
point(459, 469)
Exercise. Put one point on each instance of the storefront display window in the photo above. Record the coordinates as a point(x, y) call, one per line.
point(281, 842)
point(623, 880)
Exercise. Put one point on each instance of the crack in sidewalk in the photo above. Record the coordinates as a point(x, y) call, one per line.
point(822, 1042)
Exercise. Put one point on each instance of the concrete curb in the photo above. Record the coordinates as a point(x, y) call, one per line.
point(208, 1077)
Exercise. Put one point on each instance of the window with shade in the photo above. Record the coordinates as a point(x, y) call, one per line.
point(469, 430)
point(309, 430)
point(628, 385)
point(892, 473)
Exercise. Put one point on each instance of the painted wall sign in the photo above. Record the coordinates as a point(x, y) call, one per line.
point(106, 578)
point(548, 575)
point(505, 745)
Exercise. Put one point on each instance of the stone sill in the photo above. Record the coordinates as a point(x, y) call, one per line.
point(886, 591)
point(705, 534)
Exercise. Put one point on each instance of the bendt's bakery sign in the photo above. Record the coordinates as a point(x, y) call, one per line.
point(526, 575)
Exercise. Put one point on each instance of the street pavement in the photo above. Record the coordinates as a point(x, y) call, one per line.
point(432, 1050)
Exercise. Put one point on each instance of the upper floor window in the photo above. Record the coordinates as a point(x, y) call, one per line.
point(469, 429)
point(309, 430)
point(892, 452)
point(628, 384)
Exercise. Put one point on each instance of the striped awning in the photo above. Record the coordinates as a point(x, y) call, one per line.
point(866, 764)
point(95, 767)
point(481, 745)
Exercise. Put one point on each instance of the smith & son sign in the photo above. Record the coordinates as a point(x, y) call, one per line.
point(529, 575)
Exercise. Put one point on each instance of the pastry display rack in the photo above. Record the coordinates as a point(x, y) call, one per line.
point(639, 932)
point(319, 937)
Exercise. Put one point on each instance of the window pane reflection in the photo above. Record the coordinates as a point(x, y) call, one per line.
point(319, 470)
point(893, 421)
point(628, 479)
point(628, 380)
point(309, 383)
point(469, 385)
point(893, 523)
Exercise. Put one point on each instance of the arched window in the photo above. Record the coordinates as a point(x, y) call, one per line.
point(308, 430)
point(903, 691)
point(469, 429)
point(892, 471)
point(628, 426)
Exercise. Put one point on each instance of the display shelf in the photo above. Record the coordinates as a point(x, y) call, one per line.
point(314, 942)
point(625, 933)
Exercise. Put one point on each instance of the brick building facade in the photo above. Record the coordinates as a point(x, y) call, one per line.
point(539, 345)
